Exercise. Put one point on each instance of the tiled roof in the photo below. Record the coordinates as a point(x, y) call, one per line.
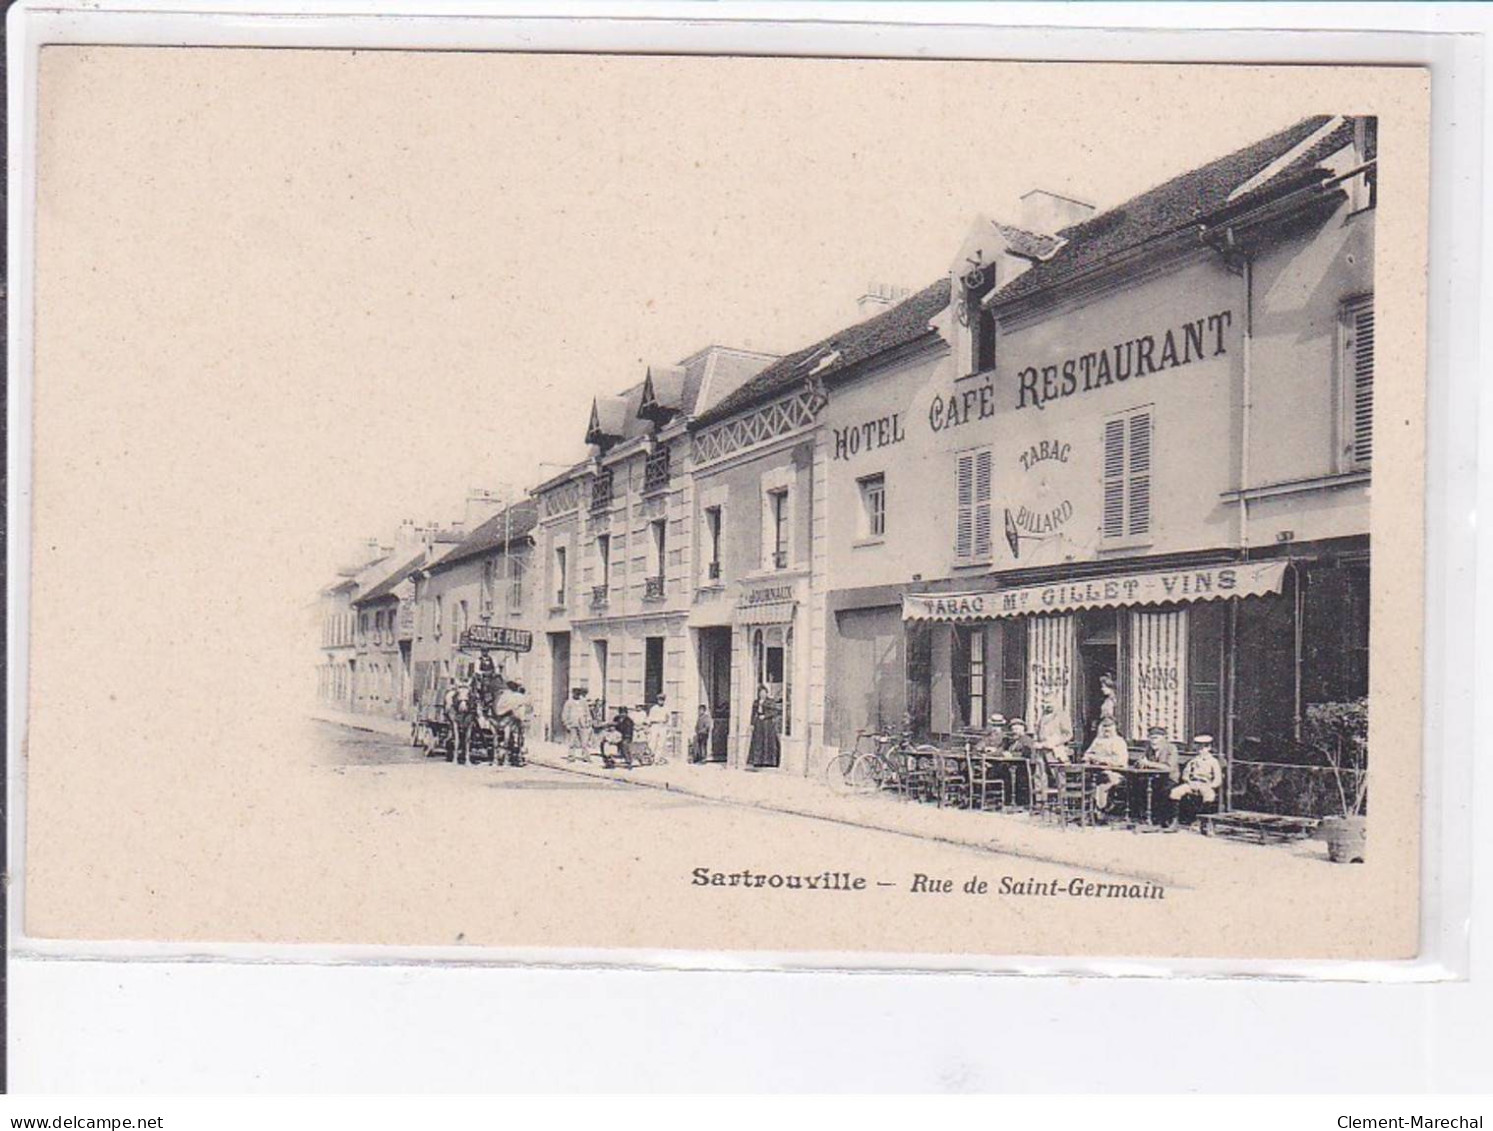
point(387, 586)
point(1029, 245)
point(1178, 203)
point(521, 518)
point(906, 322)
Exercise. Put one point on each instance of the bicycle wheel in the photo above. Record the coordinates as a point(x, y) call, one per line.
point(837, 771)
point(868, 773)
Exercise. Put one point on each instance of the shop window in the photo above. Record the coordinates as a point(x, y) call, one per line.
point(873, 506)
point(969, 676)
point(1013, 634)
point(972, 530)
point(1128, 445)
point(1356, 381)
point(772, 661)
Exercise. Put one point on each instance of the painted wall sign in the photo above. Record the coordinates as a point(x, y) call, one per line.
point(1138, 357)
point(1041, 505)
point(767, 596)
point(1243, 579)
point(856, 438)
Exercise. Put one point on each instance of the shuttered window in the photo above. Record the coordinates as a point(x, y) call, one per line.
point(972, 529)
point(1129, 442)
point(1357, 386)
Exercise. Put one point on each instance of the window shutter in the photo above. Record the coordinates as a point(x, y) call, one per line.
point(964, 529)
point(1360, 364)
point(982, 504)
point(1114, 478)
point(1140, 474)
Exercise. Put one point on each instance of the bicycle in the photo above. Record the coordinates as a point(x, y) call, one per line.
point(863, 770)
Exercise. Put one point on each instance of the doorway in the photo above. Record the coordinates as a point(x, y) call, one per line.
point(599, 669)
point(559, 679)
point(653, 669)
point(715, 687)
point(1098, 660)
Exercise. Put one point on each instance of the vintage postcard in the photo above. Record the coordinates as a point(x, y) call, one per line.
point(890, 509)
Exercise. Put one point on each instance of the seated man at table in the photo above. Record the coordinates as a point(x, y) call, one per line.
point(1201, 781)
point(1108, 751)
point(1161, 754)
point(1019, 744)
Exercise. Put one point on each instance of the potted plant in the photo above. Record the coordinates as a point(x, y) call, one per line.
point(1340, 732)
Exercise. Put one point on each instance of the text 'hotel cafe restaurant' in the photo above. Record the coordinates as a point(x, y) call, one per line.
point(1134, 448)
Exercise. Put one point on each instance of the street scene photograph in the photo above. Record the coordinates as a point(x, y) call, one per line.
point(1060, 560)
point(622, 508)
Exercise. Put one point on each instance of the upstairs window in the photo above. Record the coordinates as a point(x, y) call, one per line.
point(712, 543)
point(873, 506)
point(656, 469)
point(516, 568)
point(973, 490)
point(1128, 441)
point(604, 561)
point(560, 578)
point(777, 529)
point(1356, 382)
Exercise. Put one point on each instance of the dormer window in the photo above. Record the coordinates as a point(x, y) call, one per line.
point(608, 422)
point(979, 323)
point(663, 394)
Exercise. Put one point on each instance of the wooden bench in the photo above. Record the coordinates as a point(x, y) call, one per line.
point(1262, 828)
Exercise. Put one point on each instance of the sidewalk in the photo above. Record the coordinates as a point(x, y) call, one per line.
point(1183, 859)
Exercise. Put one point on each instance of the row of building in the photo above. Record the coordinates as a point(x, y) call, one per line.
point(1135, 443)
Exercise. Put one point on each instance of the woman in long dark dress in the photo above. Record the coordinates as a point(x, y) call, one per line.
point(766, 719)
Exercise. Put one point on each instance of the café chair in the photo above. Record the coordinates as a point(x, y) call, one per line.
point(1074, 803)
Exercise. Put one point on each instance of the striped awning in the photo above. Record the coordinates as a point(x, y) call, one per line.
point(767, 612)
point(1168, 587)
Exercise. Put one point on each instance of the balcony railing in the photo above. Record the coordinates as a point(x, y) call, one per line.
point(653, 589)
point(656, 469)
point(599, 595)
point(601, 493)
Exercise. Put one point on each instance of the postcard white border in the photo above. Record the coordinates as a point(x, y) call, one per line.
point(1456, 63)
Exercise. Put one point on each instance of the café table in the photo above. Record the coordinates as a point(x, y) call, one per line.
point(1144, 779)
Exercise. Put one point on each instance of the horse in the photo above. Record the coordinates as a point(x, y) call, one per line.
point(461, 706)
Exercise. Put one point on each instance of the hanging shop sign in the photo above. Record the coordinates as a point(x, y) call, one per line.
point(1206, 583)
point(492, 637)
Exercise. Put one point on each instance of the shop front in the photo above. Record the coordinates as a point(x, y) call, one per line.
point(1155, 642)
point(769, 653)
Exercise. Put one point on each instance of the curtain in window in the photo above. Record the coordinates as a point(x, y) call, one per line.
point(1050, 665)
point(1158, 672)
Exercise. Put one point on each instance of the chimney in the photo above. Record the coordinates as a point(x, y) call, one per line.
point(482, 504)
point(878, 297)
point(1048, 213)
point(371, 551)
